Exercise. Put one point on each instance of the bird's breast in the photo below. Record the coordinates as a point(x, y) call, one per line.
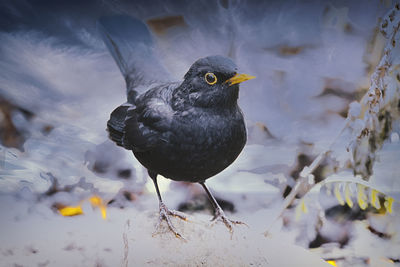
point(209, 130)
point(205, 144)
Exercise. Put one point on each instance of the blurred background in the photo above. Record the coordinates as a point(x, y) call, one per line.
point(312, 59)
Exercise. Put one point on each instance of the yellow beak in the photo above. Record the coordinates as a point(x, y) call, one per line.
point(238, 78)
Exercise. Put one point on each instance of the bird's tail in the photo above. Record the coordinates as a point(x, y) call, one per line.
point(131, 45)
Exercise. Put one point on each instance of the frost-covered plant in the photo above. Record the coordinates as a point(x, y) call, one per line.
point(367, 126)
point(371, 119)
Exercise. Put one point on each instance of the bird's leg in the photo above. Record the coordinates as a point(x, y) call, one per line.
point(165, 212)
point(218, 212)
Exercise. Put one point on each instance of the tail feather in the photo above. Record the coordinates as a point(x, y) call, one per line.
point(131, 45)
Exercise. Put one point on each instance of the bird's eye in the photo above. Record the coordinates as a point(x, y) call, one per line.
point(210, 78)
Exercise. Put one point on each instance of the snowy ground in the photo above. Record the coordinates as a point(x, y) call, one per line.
point(38, 238)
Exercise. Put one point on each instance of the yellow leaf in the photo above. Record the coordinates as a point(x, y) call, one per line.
point(71, 211)
point(375, 200)
point(96, 201)
point(389, 204)
point(332, 262)
point(347, 195)
point(301, 208)
point(338, 195)
point(304, 207)
point(103, 212)
point(361, 197)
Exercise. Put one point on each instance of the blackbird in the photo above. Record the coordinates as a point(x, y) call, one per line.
point(185, 131)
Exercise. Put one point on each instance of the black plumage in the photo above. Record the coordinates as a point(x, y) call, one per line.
point(186, 131)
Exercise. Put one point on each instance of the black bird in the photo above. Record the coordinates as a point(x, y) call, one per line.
point(186, 131)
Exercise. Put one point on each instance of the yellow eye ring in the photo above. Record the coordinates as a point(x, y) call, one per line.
point(210, 78)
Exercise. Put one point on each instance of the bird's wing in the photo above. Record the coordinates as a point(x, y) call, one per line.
point(132, 47)
point(116, 124)
point(143, 126)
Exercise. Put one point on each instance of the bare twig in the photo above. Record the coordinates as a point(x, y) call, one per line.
point(126, 244)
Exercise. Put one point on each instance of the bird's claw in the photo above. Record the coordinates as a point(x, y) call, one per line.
point(220, 216)
point(164, 216)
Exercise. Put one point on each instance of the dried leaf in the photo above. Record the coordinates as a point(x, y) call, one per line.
point(338, 195)
point(97, 201)
point(375, 200)
point(388, 204)
point(300, 209)
point(71, 211)
point(361, 197)
point(347, 195)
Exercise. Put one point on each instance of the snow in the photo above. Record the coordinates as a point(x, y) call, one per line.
point(126, 239)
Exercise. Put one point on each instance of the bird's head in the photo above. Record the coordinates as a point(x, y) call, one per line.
point(212, 82)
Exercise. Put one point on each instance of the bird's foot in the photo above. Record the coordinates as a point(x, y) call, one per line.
point(164, 216)
point(220, 216)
